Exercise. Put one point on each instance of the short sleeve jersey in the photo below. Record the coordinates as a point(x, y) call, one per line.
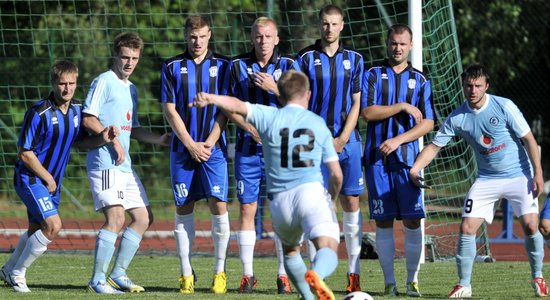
point(242, 86)
point(181, 79)
point(333, 81)
point(295, 142)
point(382, 86)
point(494, 133)
point(49, 133)
point(113, 102)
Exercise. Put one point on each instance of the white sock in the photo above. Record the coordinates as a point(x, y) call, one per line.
point(385, 246)
point(8, 266)
point(413, 251)
point(353, 236)
point(184, 234)
point(35, 246)
point(280, 255)
point(220, 235)
point(246, 241)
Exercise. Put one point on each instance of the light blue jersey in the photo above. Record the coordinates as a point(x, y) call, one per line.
point(295, 141)
point(494, 133)
point(113, 102)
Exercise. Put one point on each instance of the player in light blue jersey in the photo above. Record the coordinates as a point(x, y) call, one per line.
point(116, 188)
point(495, 129)
point(296, 142)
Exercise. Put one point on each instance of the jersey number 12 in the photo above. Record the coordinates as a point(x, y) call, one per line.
point(297, 149)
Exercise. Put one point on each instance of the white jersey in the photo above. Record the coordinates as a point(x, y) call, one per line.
point(113, 102)
point(494, 133)
point(295, 143)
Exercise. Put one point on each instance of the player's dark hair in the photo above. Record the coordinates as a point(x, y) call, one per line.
point(330, 9)
point(292, 84)
point(475, 71)
point(61, 67)
point(127, 39)
point(399, 29)
point(196, 22)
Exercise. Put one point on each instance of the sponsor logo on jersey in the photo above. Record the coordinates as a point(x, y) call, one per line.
point(75, 121)
point(183, 70)
point(54, 120)
point(384, 76)
point(128, 116)
point(486, 140)
point(317, 62)
point(249, 70)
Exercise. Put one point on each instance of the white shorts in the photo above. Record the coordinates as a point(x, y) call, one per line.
point(113, 187)
point(484, 194)
point(306, 209)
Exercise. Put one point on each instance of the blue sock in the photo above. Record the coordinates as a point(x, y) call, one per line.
point(104, 249)
point(296, 270)
point(466, 253)
point(534, 245)
point(129, 245)
point(325, 262)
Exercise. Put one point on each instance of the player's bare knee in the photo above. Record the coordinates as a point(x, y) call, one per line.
point(411, 224)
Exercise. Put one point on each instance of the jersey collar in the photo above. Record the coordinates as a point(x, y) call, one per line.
point(187, 55)
point(272, 60)
point(318, 46)
point(386, 63)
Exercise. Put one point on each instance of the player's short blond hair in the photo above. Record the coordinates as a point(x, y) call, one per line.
point(61, 67)
point(292, 84)
point(262, 22)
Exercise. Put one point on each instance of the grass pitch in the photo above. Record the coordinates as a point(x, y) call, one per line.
point(64, 276)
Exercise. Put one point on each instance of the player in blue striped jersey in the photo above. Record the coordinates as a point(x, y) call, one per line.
point(51, 126)
point(116, 188)
point(397, 104)
point(198, 162)
point(296, 144)
point(509, 167)
point(335, 73)
point(253, 79)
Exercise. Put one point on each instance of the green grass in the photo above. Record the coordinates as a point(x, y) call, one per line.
point(56, 276)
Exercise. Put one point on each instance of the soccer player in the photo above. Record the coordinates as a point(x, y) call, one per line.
point(116, 188)
point(198, 157)
point(509, 167)
point(335, 73)
point(253, 79)
point(296, 142)
point(397, 104)
point(49, 129)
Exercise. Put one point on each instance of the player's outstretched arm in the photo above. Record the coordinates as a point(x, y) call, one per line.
point(533, 151)
point(424, 158)
point(228, 104)
point(149, 137)
point(107, 135)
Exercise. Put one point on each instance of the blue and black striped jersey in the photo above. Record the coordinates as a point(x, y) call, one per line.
point(181, 80)
point(242, 86)
point(382, 86)
point(49, 134)
point(333, 81)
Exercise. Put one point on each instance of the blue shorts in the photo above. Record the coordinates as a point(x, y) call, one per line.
point(40, 203)
point(350, 162)
point(249, 177)
point(392, 195)
point(192, 181)
point(545, 212)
